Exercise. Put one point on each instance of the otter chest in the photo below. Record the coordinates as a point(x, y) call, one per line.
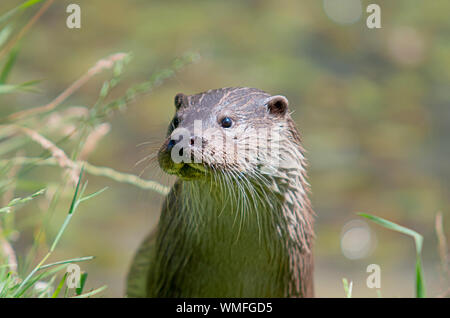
point(230, 248)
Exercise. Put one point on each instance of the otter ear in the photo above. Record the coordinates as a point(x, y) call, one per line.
point(180, 100)
point(277, 105)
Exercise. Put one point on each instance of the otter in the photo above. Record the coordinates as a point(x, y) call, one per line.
point(238, 221)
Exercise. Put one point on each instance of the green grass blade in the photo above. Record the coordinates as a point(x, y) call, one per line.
point(6, 285)
point(60, 285)
point(74, 199)
point(30, 280)
point(60, 232)
point(90, 196)
point(4, 34)
point(69, 261)
point(418, 240)
point(420, 283)
point(91, 293)
point(46, 291)
point(58, 236)
point(83, 279)
point(17, 9)
point(72, 209)
point(19, 201)
point(8, 65)
point(347, 287)
point(14, 88)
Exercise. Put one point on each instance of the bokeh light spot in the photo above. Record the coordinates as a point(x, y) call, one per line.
point(357, 240)
point(343, 11)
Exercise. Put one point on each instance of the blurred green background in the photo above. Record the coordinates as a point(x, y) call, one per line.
point(373, 106)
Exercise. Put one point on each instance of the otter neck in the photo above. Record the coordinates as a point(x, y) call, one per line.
point(230, 237)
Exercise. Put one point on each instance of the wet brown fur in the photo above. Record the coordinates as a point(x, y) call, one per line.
point(250, 109)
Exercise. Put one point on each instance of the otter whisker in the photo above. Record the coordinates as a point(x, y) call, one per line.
point(150, 156)
point(245, 209)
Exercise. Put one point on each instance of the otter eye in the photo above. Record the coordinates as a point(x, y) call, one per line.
point(226, 122)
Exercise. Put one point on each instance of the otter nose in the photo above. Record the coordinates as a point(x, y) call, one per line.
point(171, 144)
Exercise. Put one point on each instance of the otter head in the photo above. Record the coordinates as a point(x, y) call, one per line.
point(231, 130)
